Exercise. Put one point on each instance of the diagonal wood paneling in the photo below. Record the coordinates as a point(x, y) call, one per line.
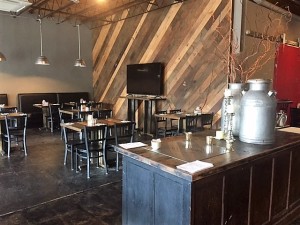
point(184, 37)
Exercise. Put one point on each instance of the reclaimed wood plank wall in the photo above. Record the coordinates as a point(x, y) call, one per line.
point(190, 38)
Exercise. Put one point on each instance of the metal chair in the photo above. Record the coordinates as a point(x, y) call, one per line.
point(15, 132)
point(122, 133)
point(191, 123)
point(104, 113)
point(97, 105)
point(53, 119)
point(71, 139)
point(207, 120)
point(174, 126)
point(161, 125)
point(93, 147)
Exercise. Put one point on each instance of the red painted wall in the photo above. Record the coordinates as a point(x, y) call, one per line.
point(287, 74)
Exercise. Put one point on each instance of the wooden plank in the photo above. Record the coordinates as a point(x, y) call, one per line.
point(100, 42)
point(108, 48)
point(120, 101)
point(151, 53)
point(186, 44)
point(180, 36)
point(159, 34)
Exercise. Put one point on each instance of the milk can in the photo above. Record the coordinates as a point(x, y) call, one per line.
point(236, 92)
point(258, 113)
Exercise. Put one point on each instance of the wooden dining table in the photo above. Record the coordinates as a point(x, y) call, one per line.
point(79, 126)
point(45, 111)
point(78, 112)
point(81, 113)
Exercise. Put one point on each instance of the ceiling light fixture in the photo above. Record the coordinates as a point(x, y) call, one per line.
point(79, 62)
point(42, 60)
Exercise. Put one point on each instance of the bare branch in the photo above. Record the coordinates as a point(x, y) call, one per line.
point(242, 66)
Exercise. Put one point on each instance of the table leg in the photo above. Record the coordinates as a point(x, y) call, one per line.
point(1, 149)
point(45, 111)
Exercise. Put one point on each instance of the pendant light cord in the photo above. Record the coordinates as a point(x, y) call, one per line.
point(78, 30)
point(41, 36)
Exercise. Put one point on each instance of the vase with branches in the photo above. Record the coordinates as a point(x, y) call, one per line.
point(263, 39)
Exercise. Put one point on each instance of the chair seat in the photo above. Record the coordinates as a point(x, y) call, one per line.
point(75, 142)
point(94, 146)
point(14, 131)
point(122, 133)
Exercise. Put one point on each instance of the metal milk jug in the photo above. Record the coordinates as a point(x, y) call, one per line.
point(258, 113)
point(236, 92)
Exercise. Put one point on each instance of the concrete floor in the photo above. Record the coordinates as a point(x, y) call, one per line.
point(39, 189)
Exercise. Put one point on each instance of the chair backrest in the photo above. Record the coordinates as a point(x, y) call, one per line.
point(69, 134)
point(79, 104)
point(3, 99)
point(191, 122)
point(124, 132)
point(175, 111)
point(97, 105)
point(104, 113)
point(95, 135)
point(207, 119)
point(161, 119)
point(54, 110)
point(15, 123)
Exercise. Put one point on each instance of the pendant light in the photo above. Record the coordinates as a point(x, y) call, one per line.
point(2, 57)
point(42, 60)
point(79, 62)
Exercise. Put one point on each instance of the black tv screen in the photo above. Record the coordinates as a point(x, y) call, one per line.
point(145, 79)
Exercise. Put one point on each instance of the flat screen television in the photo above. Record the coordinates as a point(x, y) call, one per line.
point(145, 79)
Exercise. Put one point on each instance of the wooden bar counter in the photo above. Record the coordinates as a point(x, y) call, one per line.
point(254, 184)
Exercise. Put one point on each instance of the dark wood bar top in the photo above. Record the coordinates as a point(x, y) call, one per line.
point(175, 151)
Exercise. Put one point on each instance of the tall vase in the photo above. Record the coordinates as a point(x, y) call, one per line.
point(258, 113)
point(236, 92)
